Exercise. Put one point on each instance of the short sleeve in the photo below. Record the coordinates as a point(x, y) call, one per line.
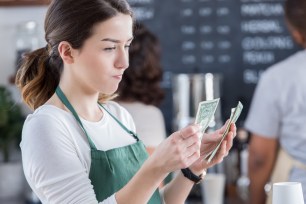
point(264, 115)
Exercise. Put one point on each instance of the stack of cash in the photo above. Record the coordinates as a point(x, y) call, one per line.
point(205, 113)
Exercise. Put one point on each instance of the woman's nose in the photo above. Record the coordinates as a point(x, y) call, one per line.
point(122, 61)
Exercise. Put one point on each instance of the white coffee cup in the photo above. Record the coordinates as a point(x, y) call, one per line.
point(213, 188)
point(287, 193)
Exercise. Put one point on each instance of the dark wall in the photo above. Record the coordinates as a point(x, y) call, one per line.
point(237, 38)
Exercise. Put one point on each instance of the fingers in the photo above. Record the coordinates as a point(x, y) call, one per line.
point(185, 154)
point(229, 140)
point(188, 131)
point(192, 158)
point(194, 148)
point(223, 128)
point(229, 137)
point(222, 152)
point(226, 145)
point(187, 136)
point(190, 140)
point(211, 137)
point(193, 139)
point(233, 129)
point(187, 142)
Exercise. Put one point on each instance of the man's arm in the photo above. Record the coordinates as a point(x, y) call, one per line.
point(262, 156)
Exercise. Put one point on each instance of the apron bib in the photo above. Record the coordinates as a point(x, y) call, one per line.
point(282, 168)
point(112, 169)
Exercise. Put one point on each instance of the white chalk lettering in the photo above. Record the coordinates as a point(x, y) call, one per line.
point(188, 59)
point(262, 9)
point(251, 76)
point(143, 13)
point(256, 57)
point(188, 29)
point(267, 43)
point(208, 59)
point(140, 1)
point(224, 45)
point(187, 12)
point(207, 45)
point(188, 45)
point(224, 58)
point(205, 29)
point(260, 1)
point(261, 26)
point(205, 11)
point(223, 11)
point(224, 29)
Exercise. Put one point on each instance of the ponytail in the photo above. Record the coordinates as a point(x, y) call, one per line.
point(38, 77)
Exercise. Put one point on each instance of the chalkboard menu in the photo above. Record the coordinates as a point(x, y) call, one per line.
point(236, 38)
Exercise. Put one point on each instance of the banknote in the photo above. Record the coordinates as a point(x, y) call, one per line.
point(205, 113)
point(235, 113)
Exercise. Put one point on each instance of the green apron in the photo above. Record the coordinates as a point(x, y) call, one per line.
point(112, 169)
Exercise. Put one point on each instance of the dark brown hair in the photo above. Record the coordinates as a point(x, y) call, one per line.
point(295, 11)
point(66, 20)
point(141, 81)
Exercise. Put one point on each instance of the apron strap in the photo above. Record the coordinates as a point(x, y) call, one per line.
point(65, 101)
point(125, 128)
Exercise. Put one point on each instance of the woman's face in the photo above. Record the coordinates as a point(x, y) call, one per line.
point(100, 63)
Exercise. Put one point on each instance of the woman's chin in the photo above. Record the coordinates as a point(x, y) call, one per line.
point(110, 91)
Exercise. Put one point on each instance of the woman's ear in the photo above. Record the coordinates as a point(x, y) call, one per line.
point(65, 51)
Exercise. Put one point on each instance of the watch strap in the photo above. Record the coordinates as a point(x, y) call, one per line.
point(191, 176)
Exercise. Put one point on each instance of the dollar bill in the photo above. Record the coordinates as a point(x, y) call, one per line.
point(235, 113)
point(205, 113)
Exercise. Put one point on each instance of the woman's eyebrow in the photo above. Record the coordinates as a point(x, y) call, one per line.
point(115, 41)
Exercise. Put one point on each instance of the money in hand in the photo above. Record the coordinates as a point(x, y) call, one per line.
point(235, 113)
point(205, 113)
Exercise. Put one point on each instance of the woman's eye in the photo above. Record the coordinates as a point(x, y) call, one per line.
point(109, 48)
point(127, 47)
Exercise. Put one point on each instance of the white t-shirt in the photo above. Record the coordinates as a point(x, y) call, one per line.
point(278, 109)
point(56, 153)
point(149, 122)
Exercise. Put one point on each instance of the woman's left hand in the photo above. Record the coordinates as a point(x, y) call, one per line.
point(208, 143)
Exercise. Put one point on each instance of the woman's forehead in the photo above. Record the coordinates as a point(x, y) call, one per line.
point(119, 27)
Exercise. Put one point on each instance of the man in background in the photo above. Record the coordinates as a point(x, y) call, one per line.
point(277, 117)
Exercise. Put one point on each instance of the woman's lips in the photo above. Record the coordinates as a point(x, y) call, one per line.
point(119, 77)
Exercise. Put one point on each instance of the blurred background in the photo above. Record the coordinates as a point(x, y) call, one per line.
point(209, 49)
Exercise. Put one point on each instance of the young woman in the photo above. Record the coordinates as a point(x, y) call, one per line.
point(80, 147)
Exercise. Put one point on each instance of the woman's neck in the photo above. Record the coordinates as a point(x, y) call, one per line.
point(84, 102)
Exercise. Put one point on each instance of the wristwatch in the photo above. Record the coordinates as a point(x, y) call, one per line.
point(191, 176)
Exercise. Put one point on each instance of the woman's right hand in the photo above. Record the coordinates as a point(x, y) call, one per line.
point(179, 150)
